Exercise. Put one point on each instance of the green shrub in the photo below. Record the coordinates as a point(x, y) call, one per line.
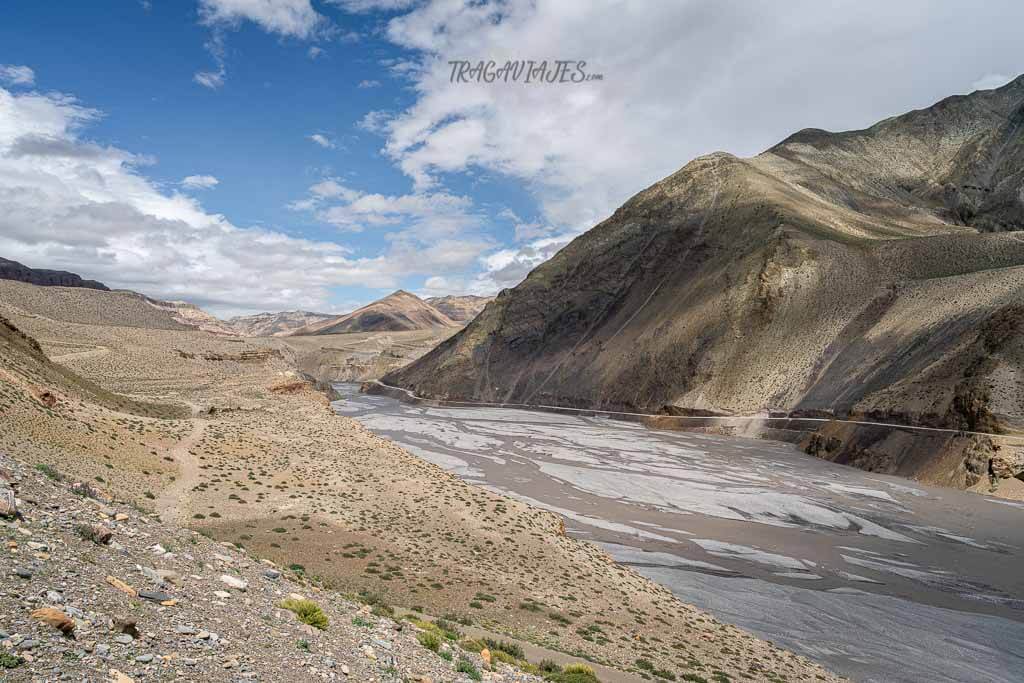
point(470, 645)
point(450, 630)
point(49, 473)
point(9, 661)
point(664, 674)
point(574, 673)
point(502, 646)
point(466, 667)
point(429, 640)
point(549, 667)
point(307, 611)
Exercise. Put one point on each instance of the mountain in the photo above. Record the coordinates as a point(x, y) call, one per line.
point(276, 324)
point(874, 273)
point(12, 270)
point(189, 315)
point(460, 308)
point(399, 311)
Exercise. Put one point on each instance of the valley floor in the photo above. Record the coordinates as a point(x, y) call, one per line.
point(263, 463)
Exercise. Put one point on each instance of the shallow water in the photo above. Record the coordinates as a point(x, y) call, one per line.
point(878, 578)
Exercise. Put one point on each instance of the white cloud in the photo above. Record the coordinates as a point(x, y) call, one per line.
point(990, 81)
point(314, 52)
point(213, 79)
point(321, 140)
point(418, 217)
point(13, 74)
point(69, 203)
point(688, 88)
point(704, 77)
point(199, 182)
point(291, 18)
point(361, 6)
point(369, 84)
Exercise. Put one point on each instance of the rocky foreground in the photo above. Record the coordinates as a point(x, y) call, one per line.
point(97, 590)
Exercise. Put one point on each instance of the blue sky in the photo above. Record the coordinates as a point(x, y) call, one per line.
point(331, 160)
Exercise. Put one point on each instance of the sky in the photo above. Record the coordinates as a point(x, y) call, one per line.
point(261, 155)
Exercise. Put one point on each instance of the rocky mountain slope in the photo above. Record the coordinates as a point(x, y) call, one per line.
point(460, 308)
point(95, 589)
point(12, 270)
point(399, 311)
point(276, 324)
point(873, 273)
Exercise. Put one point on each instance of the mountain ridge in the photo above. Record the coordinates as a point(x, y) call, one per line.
point(850, 273)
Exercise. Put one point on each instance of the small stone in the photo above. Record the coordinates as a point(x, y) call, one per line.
point(155, 596)
point(272, 574)
point(345, 669)
point(144, 659)
point(124, 639)
point(234, 582)
point(23, 572)
point(120, 517)
point(185, 630)
point(54, 597)
point(102, 650)
point(223, 595)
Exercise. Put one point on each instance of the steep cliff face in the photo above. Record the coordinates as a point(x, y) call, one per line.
point(12, 270)
point(874, 272)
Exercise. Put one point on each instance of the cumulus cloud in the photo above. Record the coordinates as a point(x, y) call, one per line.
point(728, 75)
point(13, 74)
point(69, 203)
point(369, 84)
point(314, 52)
point(421, 217)
point(321, 140)
point(290, 18)
point(199, 182)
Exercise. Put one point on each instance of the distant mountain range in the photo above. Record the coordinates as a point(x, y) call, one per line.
point(276, 324)
point(397, 312)
point(875, 273)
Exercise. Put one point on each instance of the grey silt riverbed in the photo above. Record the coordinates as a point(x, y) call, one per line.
point(878, 578)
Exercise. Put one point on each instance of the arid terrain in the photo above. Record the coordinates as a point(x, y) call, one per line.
point(221, 434)
point(871, 275)
point(399, 311)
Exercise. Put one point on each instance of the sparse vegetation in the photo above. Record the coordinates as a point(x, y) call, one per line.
point(307, 611)
point(466, 667)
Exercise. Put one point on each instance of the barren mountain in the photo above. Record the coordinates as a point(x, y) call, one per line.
point(399, 311)
point(275, 324)
point(460, 308)
point(12, 270)
point(875, 273)
point(190, 314)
